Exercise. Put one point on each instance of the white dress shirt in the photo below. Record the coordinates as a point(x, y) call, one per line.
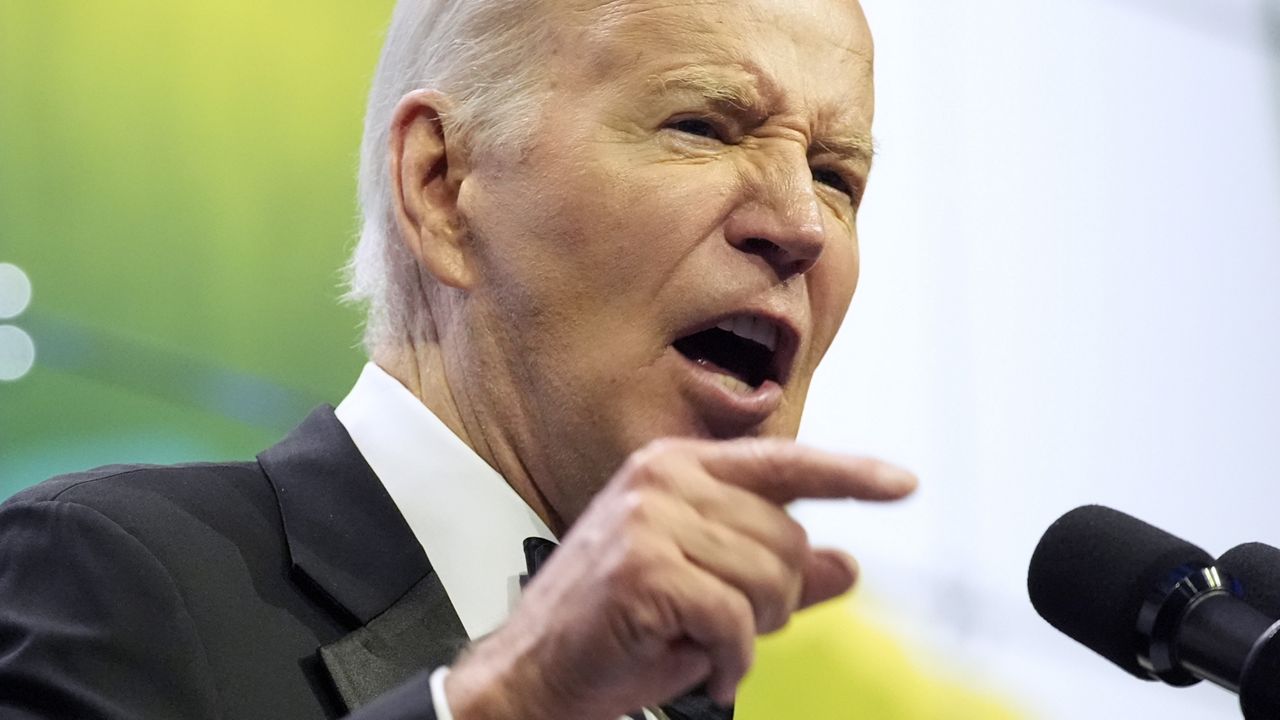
point(469, 521)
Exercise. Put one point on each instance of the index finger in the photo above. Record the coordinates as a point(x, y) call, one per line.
point(783, 471)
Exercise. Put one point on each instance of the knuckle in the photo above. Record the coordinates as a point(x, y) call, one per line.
point(774, 599)
point(780, 588)
point(636, 626)
point(658, 448)
point(649, 470)
point(795, 541)
point(649, 475)
point(739, 615)
point(773, 453)
point(755, 448)
point(634, 506)
point(638, 563)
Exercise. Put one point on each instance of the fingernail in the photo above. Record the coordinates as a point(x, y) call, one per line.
point(901, 476)
point(850, 564)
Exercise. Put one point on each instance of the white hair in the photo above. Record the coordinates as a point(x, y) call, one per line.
point(484, 55)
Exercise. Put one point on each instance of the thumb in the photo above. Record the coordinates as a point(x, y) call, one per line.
point(827, 574)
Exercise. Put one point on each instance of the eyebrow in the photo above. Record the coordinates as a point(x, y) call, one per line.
point(742, 92)
point(859, 147)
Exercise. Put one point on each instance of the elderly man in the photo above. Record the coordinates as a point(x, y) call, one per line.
point(606, 244)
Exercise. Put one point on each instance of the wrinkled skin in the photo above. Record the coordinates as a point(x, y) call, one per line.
point(692, 160)
point(581, 258)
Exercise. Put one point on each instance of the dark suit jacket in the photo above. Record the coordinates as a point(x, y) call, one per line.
point(290, 587)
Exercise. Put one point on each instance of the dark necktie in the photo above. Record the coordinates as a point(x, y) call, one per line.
point(693, 706)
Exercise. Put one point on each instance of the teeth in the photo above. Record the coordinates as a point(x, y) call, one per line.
point(734, 385)
point(756, 329)
point(767, 334)
point(744, 326)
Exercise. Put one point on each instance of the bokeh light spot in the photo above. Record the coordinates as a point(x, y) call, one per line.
point(15, 291)
point(17, 353)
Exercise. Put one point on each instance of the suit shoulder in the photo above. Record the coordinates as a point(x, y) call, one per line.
point(203, 522)
point(89, 607)
point(129, 494)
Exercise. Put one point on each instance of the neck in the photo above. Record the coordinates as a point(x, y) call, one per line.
point(421, 368)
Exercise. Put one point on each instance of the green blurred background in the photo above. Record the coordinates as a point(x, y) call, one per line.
point(177, 181)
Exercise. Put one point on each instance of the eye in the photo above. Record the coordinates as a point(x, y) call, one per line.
point(699, 127)
point(834, 180)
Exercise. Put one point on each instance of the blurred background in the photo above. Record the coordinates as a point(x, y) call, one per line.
point(1070, 293)
point(177, 183)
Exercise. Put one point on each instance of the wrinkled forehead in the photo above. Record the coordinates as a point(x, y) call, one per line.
point(814, 55)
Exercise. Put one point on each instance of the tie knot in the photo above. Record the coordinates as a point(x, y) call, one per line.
point(536, 553)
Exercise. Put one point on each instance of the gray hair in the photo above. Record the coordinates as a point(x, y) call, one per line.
point(482, 54)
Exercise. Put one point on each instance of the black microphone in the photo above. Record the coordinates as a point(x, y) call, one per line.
point(1155, 605)
point(1257, 567)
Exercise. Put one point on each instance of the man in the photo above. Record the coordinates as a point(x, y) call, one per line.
point(606, 244)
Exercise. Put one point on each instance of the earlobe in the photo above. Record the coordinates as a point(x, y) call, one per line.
point(426, 173)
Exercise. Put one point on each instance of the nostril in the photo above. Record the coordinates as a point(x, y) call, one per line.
point(800, 266)
point(784, 262)
point(759, 246)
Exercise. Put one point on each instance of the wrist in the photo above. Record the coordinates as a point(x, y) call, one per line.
point(488, 685)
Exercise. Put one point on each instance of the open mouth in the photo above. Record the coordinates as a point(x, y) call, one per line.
point(748, 348)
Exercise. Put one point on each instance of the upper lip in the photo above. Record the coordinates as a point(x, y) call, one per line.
point(784, 354)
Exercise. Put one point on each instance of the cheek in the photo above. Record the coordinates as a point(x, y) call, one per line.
point(626, 227)
point(831, 287)
point(579, 252)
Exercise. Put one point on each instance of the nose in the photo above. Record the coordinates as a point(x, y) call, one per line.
point(782, 223)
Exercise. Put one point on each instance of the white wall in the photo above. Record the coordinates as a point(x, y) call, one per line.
point(1071, 294)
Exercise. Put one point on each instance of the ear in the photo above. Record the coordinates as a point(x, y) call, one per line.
point(426, 172)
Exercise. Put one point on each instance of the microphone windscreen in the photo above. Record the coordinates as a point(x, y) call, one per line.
point(1257, 568)
point(1093, 571)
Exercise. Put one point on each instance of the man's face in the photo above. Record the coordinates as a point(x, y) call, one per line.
point(698, 164)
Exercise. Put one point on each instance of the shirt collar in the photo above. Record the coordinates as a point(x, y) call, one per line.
point(469, 521)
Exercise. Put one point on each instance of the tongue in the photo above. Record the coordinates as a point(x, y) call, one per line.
point(706, 364)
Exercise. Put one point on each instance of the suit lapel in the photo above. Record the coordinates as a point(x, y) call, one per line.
point(349, 544)
point(419, 631)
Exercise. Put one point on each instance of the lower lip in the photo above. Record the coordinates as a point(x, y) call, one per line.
point(720, 403)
